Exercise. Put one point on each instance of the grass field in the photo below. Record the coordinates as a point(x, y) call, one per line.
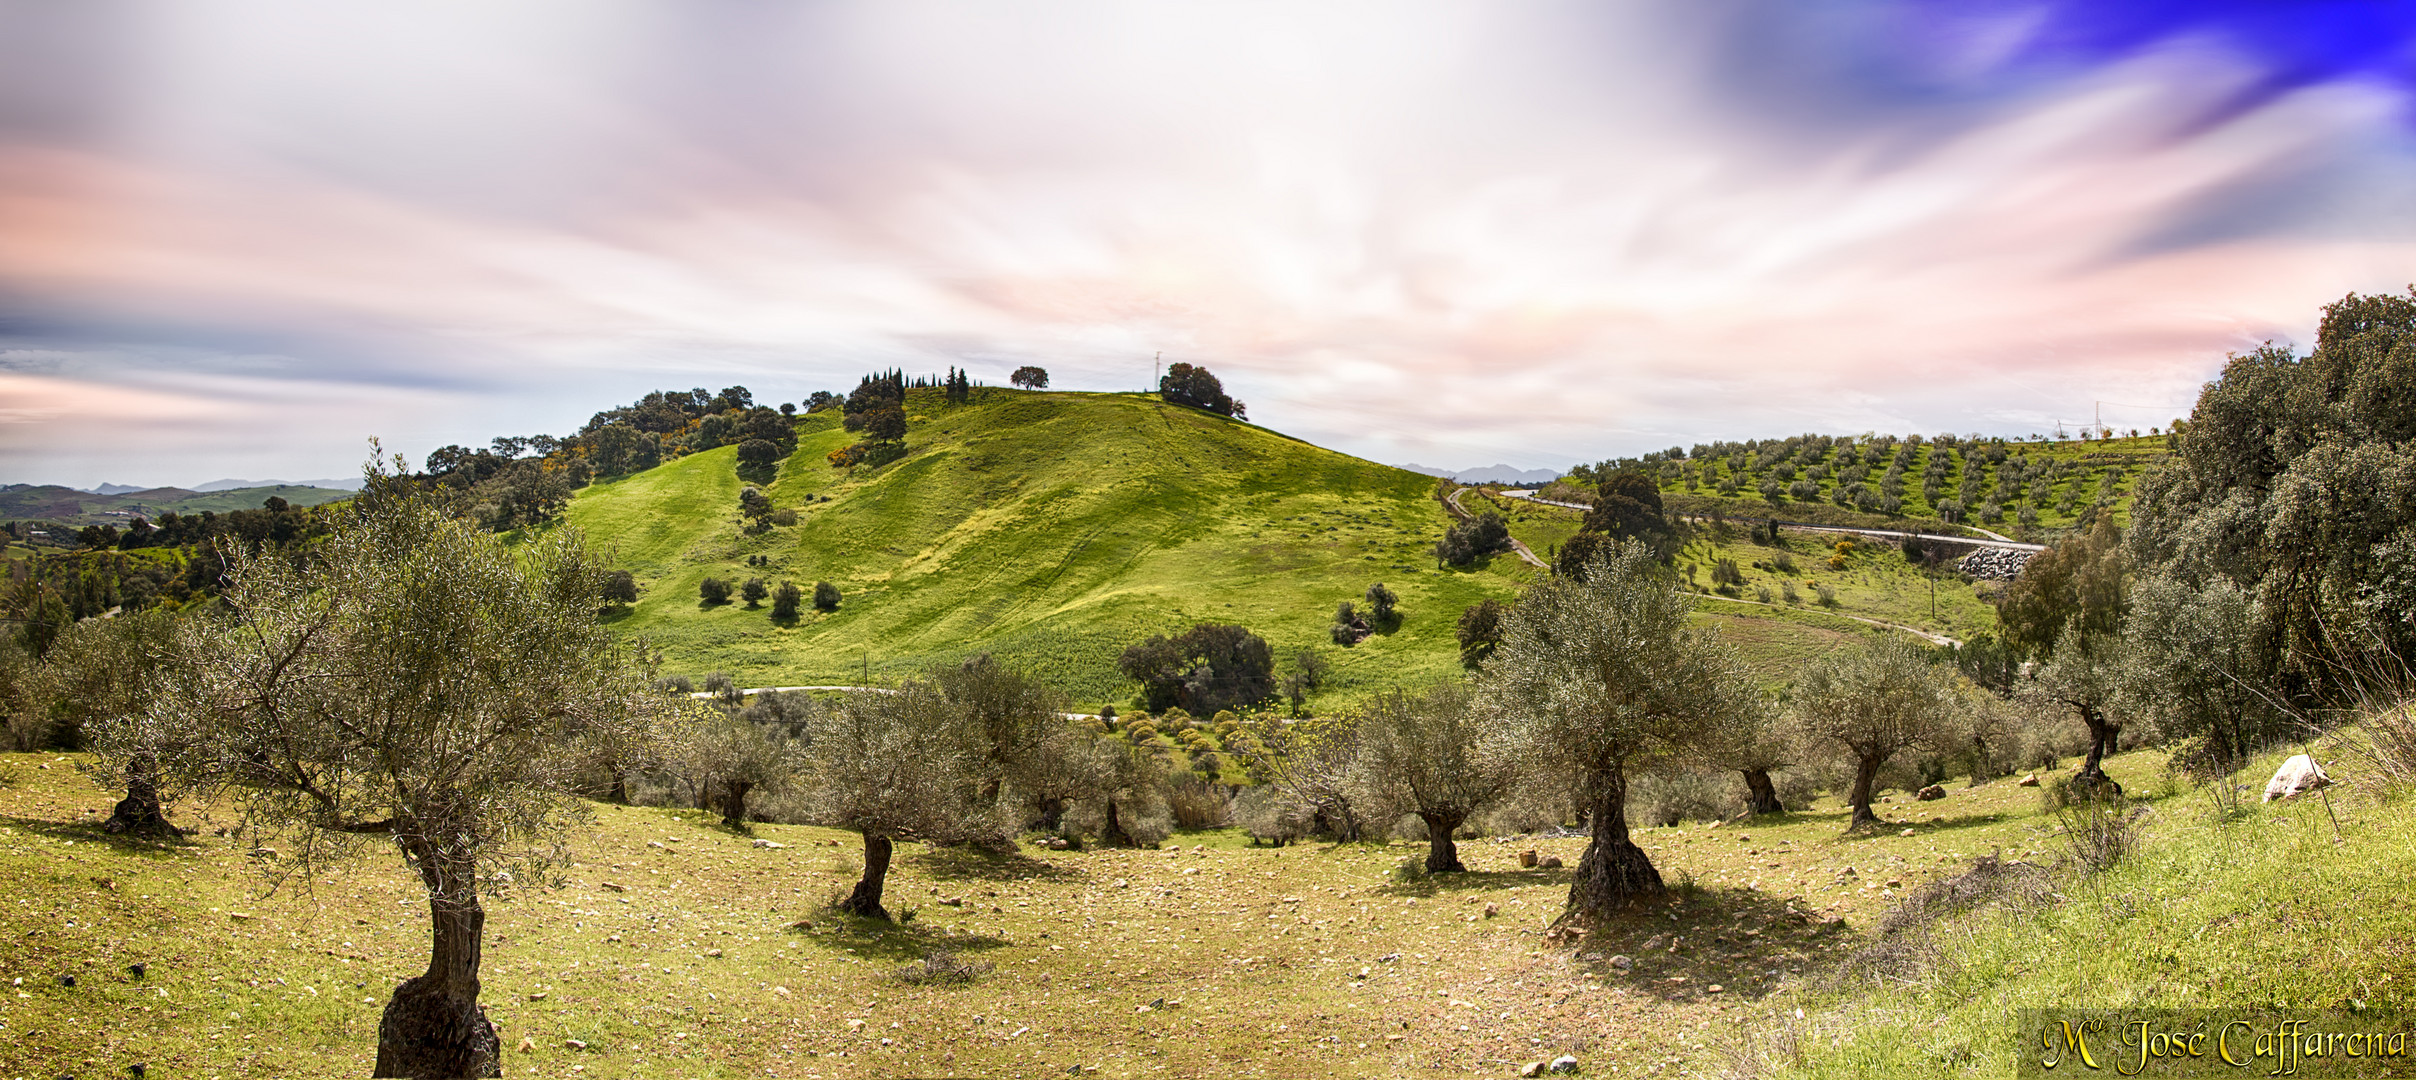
point(1296, 961)
point(1051, 529)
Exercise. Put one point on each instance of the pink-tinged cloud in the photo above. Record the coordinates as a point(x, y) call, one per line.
point(1453, 233)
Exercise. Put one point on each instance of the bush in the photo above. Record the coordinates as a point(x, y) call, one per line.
point(1467, 541)
point(786, 599)
point(1726, 572)
point(1198, 804)
point(826, 596)
point(783, 517)
point(1267, 818)
point(714, 590)
point(620, 588)
point(1380, 601)
point(753, 592)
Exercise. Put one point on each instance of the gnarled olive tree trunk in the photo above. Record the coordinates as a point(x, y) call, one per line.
point(1442, 855)
point(1613, 871)
point(2092, 779)
point(866, 899)
point(734, 803)
point(1761, 795)
point(1866, 777)
point(140, 813)
point(433, 1027)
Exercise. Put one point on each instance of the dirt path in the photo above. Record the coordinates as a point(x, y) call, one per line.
point(1461, 512)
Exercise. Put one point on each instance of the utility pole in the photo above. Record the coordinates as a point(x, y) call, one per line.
point(1155, 367)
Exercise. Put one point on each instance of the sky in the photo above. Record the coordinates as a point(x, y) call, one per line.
point(242, 237)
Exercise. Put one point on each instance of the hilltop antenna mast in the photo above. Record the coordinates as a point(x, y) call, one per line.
point(1154, 368)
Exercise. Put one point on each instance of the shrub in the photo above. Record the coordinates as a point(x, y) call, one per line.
point(1787, 591)
point(786, 599)
point(753, 592)
point(783, 517)
point(1668, 798)
point(1467, 541)
point(714, 590)
point(1725, 572)
point(1828, 596)
point(1198, 804)
point(1784, 563)
point(620, 588)
point(1380, 601)
point(826, 596)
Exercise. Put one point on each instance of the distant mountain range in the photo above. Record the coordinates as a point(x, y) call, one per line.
point(119, 504)
point(1490, 474)
point(351, 483)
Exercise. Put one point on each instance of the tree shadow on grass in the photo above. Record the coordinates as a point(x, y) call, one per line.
point(1885, 830)
point(1471, 881)
point(899, 942)
point(90, 832)
point(1731, 938)
point(978, 864)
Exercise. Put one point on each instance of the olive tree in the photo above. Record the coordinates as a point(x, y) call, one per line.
point(1435, 754)
point(1605, 672)
point(897, 765)
point(417, 681)
point(98, 679)
point(734, 755)
point(2085, 676)
point(1309, 763)
point(1756, 741)
point(1875, 700)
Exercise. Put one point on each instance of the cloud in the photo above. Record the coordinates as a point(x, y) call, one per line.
point(1448, 232)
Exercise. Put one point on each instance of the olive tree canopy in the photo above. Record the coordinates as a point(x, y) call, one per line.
point(411, 681)
point(1438, 755)
point(1875, 700)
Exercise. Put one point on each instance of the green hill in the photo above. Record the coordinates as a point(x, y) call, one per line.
point(1051, 529)
point(50, 502)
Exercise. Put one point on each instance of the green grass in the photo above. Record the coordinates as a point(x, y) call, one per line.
point(2271, 908)
point(1869, 579)
point(1312, 959)
point(1050, 529)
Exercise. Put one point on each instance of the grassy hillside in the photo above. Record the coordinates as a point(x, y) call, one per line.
point(1051, 529)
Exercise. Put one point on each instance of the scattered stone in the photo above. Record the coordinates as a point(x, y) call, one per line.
point(952, 901)
point(1492, 909)
point(1623, 962)
point(1526, 859)
point(1931, 793)
point(613, 885)
point(528, 1045)
point(1552, 863)
point(802, 924)
point(574, 1044)
point(1121, 883)
point(1532, 1068)
point(1191, 870)
point(2296, 777)
point(538, 996)
point(713, 952)
point(2028, 781)
point(657, 845)
point(772, 844)
point(1895, 883)
point(1994, 563)
point(1565, 1063)
point(1907, 832)
point(1659, 940)
point(1714, 988)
